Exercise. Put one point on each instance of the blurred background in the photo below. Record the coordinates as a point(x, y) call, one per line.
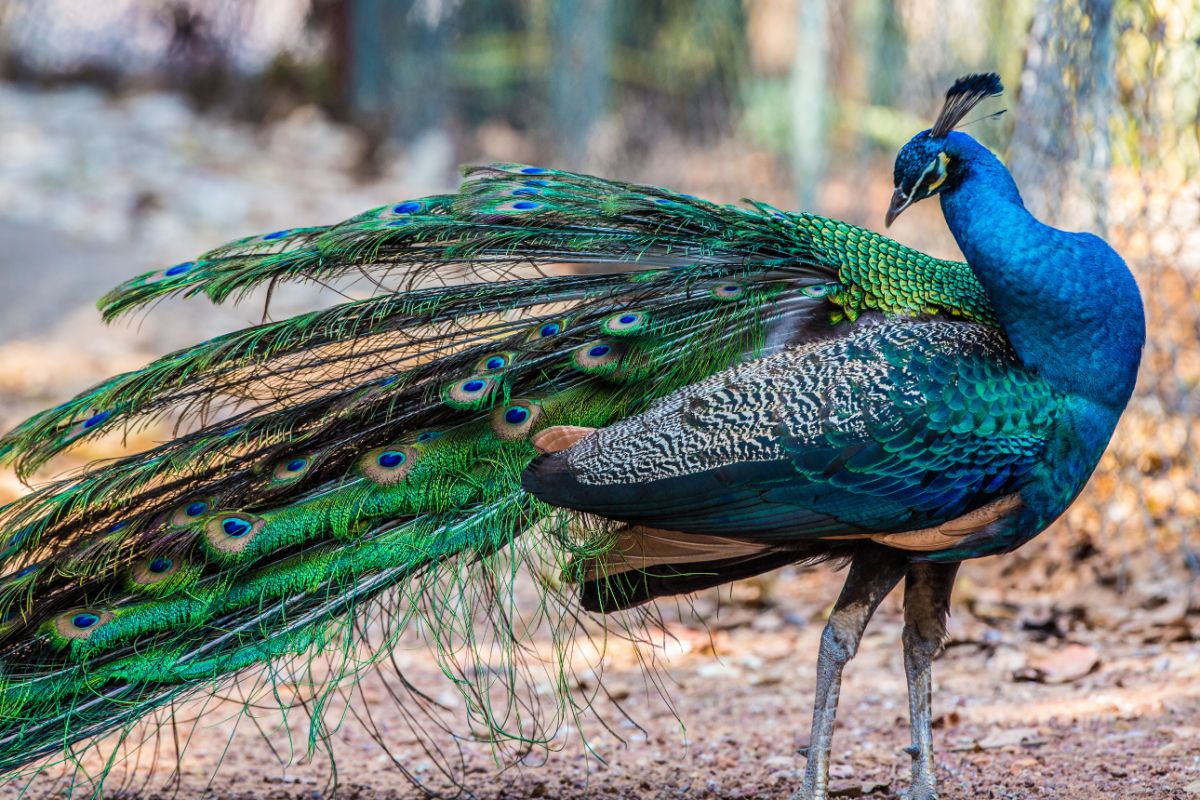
point(136, 133)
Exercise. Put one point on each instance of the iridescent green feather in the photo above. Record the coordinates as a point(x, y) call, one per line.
point(375, 449)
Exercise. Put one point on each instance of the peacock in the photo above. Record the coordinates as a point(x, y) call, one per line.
point(638, 392)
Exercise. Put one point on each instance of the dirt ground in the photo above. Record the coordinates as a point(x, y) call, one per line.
point(1074, 693)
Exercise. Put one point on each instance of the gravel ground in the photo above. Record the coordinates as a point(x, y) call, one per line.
point(1033, 699)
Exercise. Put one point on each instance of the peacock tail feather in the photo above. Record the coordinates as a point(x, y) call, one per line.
point(369, 455)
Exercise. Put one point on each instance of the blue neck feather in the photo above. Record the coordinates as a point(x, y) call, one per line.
point(1068, 303)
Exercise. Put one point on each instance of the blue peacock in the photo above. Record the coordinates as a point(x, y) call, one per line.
point(710, 393)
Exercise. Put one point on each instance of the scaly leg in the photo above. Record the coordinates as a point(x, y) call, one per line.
point(926, 606)
point(873, 573)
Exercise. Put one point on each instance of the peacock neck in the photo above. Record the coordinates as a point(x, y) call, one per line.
point(1069, 305)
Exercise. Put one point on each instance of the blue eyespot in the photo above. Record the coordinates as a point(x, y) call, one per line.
point(26, 571)
point(538, 183)
point(296, 464)
point(96, 419)
point(400, 223)
point(727, 291)
point(84, 621)
point(628, 319)
point(116, 526)
point(390, 459)
point(179, 269)
point(516, 415)
point(473, 386)
point(196, 509)
point(550, 329)
point(599, 351)
point(533, 170)
point(411, 207)
point(428, 436)
point(525, 192)
point(525, 205)
point(160, 565)
point(495, 362)
point(236, 527)
point(276, 235)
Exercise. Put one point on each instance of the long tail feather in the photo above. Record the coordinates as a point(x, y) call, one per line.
point(349, 454)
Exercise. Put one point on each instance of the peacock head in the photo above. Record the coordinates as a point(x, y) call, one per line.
point(926, 164)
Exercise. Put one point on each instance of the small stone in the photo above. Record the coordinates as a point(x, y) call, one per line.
point(1067, 664)
point(785, 775)
point(845, 788)
point(1011, 737)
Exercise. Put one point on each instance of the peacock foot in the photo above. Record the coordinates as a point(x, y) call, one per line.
point(808, 792)
point(919, 793)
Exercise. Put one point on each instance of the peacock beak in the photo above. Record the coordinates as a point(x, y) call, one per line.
point(900, 201)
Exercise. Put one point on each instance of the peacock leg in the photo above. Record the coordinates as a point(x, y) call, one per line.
point(873, 573)
point(926, 606)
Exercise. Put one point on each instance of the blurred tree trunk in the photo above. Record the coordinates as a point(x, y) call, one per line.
point(884, 37)
point(810, 100)
point(398, 65)
point(1061, 151)
point(580, 32)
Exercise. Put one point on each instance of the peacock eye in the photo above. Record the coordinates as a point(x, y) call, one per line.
point(235, 527)
point(596, 355)
point(387, 466)
point(728, 291)
point(817, 290)
point(493, 362)
point(290, 470)
point(230, 533)
point(629, 322)
point(935, 174)
point(516, 419)
point(154, 570)
point(390, 459)
point(470, 393)
point(187, 513)
point(80, 623)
